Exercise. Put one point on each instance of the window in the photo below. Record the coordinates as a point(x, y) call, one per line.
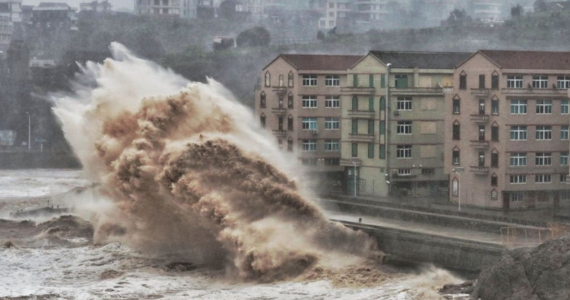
point(401, 81)
point(332, 123)
point(290, 123)
point(481, 81)
point(290, 79)
point(382, 154)
point(495, 133)
point(382, 103)
point(309, 80)
point(563, 82)
point(354, 103)
point(280, 123)
point(267, 79)
point(290, 145)
point(404, 151)
point(332, 101)
point(542, 178)
point(281, 80)
point(332, 145)
point(494, 180)
point(543, 133)
point(495, 107)
point(370, 150)
point(332, 80)
point(494, 159)
point(428, 171)
point(564, 107)
point(518, 159)
point(309, 102)
point(517, 197)
point(290, 100)
point(371, 80)
point(563, 132)
point(563, 179)
point(404, 128)
point(495, 82)
point(355, 80)
point(309, 161)
point(262, 120)
point(354, 126)
point(404, 103)
point(456, 131)
point(563, 158)
point(518, 133)
point(404, 172)
point(494, 195)
point(456, 106)
point(456, 158)
point(518, 107)
point(280, 143)
point(354, 149)
point(309, 145)
point(309, 123)
point(455, 187)
point(371, 127)
point(263, 100)
point(518, 179)
point(543, 159)
point(332, 161)
point(543, 107)
point(539, 82)
point(515, 81)
point(463, 81)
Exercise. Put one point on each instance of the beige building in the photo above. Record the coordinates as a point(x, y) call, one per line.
point(299, 101)
point(506, 142)
point(403, 158)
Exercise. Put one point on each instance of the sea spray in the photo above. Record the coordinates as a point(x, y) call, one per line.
point(189, 171)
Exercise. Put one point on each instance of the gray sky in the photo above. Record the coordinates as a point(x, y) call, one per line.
point(75, 3)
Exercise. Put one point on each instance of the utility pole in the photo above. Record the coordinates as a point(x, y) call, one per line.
point(387, 127)
point(29, 131)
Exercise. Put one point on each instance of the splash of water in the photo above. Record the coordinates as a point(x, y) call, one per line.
point(190, 171)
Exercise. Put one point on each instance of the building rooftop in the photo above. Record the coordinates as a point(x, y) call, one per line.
point(421, 60)
point(321, 62)
point(530, 60)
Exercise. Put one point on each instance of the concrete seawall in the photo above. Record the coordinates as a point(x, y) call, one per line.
point(458, 254)
point(38, 160)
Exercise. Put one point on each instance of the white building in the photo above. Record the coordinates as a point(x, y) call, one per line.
point(11, 9)
point(176, 8)
point(96, 6)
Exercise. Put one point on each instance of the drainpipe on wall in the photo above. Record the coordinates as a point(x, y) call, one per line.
point(387, 128)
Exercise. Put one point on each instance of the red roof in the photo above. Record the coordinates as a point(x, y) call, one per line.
point(530, 60)
point(321, 62)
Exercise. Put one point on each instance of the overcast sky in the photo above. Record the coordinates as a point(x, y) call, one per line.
point(75, 3)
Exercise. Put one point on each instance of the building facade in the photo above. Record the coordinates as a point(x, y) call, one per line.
point(167, 8)
point(393, 123)
point(299, 102)
point(507, 123)
point(97, 7)
point(50, 16)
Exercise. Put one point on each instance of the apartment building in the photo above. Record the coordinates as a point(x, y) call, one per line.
point(51, 16)
point(97, 7)
point(507, 120)
point(299, 102)
point(332, 12)
point(393, 147)
point(168, 8)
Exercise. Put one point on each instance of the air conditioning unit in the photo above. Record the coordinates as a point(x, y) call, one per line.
point(315, 132)
point(396, 113)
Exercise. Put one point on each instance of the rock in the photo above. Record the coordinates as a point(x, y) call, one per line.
point(180, 266)
point(465, 288)
point(541, 273)
point(8, 245)
point(110, 274)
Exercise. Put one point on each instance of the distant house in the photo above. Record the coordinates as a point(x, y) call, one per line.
point(54, 15)
point(96, 6)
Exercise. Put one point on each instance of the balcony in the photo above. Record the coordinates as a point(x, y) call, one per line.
point(280, 133)
point(480, 119)
point(358, 90)
point(360, 137)
point(541, 92)
point(349, 162)
point(480, 92)
point(479, 144)
point(281, 111)
point(365, 114)
point(281, 90)
point(417, 91)
point(479, 170)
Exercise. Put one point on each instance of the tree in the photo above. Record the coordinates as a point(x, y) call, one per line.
point(540, 6)
point(458, 16)
point(517, 11)
point(256, 36)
